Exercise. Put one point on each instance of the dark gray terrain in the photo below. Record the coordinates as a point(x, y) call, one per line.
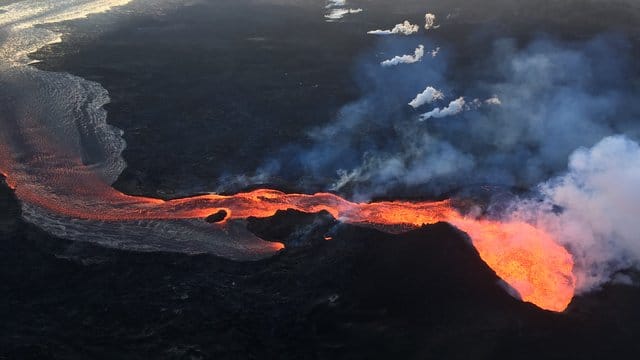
point(209, 92)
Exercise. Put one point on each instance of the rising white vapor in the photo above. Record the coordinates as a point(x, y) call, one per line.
point(405, 28)
point(435, 52)
point(426, 159)
point(429, 95)
point(551, 110)
point(593, 210)
point(494, 100)
point(430, 21)
point(337, 14)
point(455, 107)
point(406, 59)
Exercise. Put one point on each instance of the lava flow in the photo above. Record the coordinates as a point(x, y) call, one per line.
point(57, 181)
point(526, 258)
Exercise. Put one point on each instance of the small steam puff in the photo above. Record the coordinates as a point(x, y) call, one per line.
point(455, 107)
point(599, 204)
point(430, 21)
point(405, 28)
point(406, 59)
point(338, 10)
point(336, 14)
point(429, 95)
point(493, 101)
point(335, 3)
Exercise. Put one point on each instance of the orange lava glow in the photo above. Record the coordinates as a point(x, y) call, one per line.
point(528, 259)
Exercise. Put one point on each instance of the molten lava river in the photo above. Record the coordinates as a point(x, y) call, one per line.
point(526, 258)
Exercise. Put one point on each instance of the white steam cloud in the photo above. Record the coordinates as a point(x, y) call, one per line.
point(337, 14)
point(554, 98)
point(405, 28)
point(593, 210)
point(429, 95)
point(493, 101)
point(406, 59)
point(455, 107)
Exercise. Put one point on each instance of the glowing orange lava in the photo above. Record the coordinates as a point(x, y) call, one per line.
point(526, 258)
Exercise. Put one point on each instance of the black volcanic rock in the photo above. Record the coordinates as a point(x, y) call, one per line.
point(9, 208)
point(294, 228)
point(225, 110)
point(216, 217)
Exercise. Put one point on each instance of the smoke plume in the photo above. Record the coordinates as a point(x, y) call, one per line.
point(554, 96)
point(554, 109)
